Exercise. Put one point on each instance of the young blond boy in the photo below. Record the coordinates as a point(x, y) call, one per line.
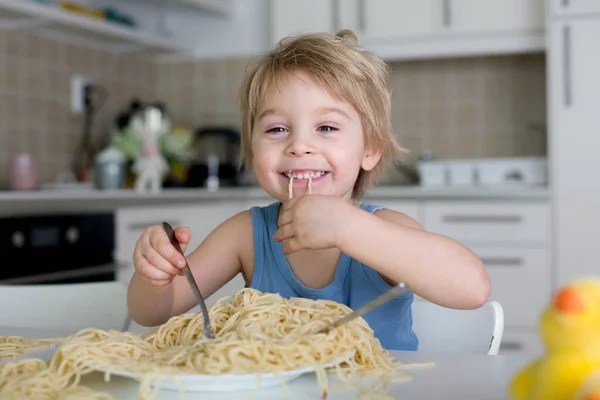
point(316, 123)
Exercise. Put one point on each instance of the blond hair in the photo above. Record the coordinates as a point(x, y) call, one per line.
point(346, 72)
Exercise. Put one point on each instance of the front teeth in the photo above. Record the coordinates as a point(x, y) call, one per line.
point(305, 175)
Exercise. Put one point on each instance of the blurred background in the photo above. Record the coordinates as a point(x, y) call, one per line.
point(495, 99)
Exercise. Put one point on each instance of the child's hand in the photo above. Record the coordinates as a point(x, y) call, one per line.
point(155, 259)
point(311, 222)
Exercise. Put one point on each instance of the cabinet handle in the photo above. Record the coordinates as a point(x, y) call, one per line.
point(335, 15)
point(504, 219)
point(502, 261)
point(511, 346)
point(568, 90)
point(447, 10)
point(140, 226)
point(362, 23)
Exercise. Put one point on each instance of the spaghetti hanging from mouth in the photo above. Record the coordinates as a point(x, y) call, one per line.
point(310, 185)
point(291, 187)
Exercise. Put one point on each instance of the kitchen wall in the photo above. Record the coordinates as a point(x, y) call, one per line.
point(35, 113)
point(471, 107)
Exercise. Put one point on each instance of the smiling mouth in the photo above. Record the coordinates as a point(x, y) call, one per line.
point(304, 174)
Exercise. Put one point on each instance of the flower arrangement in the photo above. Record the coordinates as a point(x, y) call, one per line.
point(175, 145)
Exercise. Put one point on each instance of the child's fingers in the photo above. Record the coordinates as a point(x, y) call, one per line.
point(160, 243)
point(183, 234)
point(291, 245)
point(284, 233)
point(156, 259)
point(285, 218)
point(148, 270)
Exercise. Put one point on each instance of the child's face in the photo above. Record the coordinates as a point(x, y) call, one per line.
point(302, 129)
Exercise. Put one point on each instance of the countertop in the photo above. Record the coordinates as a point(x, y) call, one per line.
point(452, 377)
point(14, 202)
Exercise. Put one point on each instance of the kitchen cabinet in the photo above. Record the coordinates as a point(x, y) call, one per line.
point(574, 140)
point(400, 19)
point(408, 29)
point(289, 17)
point(493, 16)
point(512, 240)
point(574, 7)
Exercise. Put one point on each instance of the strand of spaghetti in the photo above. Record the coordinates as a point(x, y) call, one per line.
point(309, 185)
point(291, 186)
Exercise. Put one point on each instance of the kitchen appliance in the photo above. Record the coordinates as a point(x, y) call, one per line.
point(489, 172)
point(50, 249)
point(216, 151)
point(110, 169)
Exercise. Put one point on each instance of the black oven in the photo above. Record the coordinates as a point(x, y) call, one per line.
point(66, 248)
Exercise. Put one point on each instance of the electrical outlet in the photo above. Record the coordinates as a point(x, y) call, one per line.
point(78, 84)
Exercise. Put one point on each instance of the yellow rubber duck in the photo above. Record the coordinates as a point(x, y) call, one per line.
point(570, 329)
point(590, 390)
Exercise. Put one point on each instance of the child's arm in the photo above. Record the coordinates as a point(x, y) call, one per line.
point(215, 262)
point(434, 266)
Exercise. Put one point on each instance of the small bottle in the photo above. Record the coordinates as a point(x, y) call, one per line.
point(212, 182)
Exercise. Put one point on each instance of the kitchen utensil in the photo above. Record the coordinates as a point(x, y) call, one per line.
point(371, 305)
point(207, 331)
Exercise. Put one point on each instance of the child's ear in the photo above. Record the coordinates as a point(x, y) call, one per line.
point(371, 158)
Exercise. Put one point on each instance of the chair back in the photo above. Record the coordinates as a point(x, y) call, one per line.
point(72, 307)
point(444, 330)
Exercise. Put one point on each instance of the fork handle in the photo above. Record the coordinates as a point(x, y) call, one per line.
point(371, 305)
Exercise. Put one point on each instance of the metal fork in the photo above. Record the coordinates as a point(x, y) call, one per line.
point(207, 331)
point(371, 305)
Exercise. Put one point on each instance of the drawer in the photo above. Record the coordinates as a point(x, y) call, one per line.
point(487, 222)
point(523, 343)
point(201, 218)
point(521, 282)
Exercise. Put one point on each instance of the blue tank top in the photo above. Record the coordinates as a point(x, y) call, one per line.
point(354, 283)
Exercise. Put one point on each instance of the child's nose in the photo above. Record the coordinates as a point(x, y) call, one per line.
point(300, 145)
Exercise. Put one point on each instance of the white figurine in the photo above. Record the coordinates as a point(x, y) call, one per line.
point(150, 166)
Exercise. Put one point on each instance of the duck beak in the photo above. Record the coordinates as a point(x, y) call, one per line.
point(569, 301)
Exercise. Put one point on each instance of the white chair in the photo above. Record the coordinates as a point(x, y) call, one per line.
point(446, 330)
point(65, 307)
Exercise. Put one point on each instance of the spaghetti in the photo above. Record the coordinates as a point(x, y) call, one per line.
point(291, 186)
point(254, 333)
point(15, 346)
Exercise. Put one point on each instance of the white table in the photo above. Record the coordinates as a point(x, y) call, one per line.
point(453, 377)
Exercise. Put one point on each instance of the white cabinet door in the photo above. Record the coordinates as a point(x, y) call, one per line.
point(493, 16)
point(289, 17)
point(521, 342)
point(572, 7)
point(395, 19)
point(521, 282)
point(574, 88)
point(407, 207)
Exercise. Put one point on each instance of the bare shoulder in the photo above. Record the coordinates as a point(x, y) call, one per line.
point(398, 218)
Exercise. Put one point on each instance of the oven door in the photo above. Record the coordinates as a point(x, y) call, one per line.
point(100, 273)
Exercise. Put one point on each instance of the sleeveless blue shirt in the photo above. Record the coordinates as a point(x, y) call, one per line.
point(354, 283)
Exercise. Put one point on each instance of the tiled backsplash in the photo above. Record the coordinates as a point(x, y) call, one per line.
point(35, 110)
point(467, 107)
